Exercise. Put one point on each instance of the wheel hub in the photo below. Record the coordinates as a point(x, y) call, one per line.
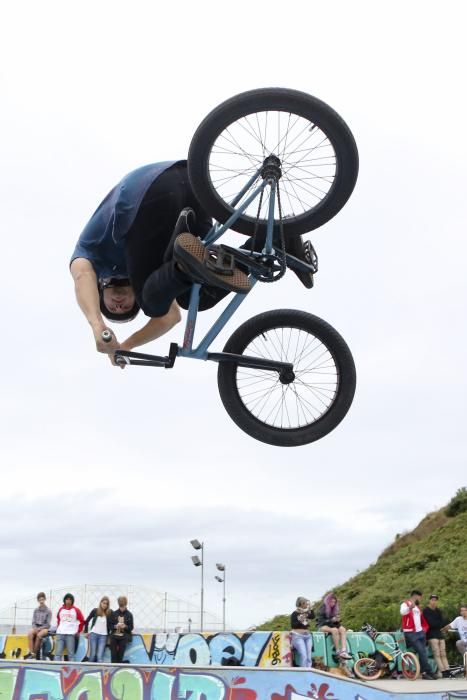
point(287, 376)
point(271, 168)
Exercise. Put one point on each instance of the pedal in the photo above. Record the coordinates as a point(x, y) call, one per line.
point(219, 260)
point(253, 264)
point(310, 256)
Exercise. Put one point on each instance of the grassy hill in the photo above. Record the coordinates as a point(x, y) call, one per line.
point(432, 557)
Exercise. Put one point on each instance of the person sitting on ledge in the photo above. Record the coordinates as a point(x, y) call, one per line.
point(41, 620)
point(328, 620)
point(300, 637)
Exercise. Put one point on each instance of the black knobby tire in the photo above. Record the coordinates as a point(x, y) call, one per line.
point(313, 404)
point(366, 669)
point(278, 102)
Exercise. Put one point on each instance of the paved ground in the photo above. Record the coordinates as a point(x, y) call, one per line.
point(442, 685)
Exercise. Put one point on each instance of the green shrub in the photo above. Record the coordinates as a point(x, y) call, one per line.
point(457, 504)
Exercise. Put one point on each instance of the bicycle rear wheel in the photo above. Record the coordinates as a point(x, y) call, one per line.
point(367, 669)
point(312, 403)
point(410, 666)
point(317, 153)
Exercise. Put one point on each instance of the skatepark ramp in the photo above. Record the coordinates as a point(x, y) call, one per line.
point(20, 680)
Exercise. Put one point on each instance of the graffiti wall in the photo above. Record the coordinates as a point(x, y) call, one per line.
point(53, 681)
point(261, 649)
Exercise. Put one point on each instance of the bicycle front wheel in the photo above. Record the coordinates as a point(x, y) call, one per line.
point(367, 669)
point(309, 405)
point(410, 666)
point(315, 147)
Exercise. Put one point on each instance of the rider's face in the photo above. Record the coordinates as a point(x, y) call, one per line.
point(119, 300)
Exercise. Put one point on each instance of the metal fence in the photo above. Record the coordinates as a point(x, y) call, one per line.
point(152, 610)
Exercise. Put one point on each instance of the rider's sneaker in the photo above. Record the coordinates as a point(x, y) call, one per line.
point(295, 246)
point(29, 657)
point(344, 655)
point(192, 256)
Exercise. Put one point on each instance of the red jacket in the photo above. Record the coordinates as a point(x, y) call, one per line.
point(408, 623)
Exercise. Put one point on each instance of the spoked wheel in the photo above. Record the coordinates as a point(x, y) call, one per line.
point(410, 666)
point(317, 156)
point(367, 669)
point(309, 404)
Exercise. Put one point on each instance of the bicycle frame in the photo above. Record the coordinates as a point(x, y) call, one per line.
point(200, 352)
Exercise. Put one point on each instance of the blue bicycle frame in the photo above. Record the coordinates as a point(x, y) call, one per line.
point(201, 351)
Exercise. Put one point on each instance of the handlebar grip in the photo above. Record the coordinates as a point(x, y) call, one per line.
point(107, 336)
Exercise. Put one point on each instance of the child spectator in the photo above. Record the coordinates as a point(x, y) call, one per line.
point(41, 619)
point(435, 619)
point(98, 621)
point(121, 623)
point(300, 637)
point(328, 620)
point(70, 622)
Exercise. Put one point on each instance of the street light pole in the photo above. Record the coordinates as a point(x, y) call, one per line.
point(196, 544)
point(222, 567)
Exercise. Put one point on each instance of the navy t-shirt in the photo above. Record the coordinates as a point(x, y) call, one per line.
point(101, 241)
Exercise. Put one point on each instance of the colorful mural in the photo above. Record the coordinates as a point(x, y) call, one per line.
point(53, 681)
point(260, 649)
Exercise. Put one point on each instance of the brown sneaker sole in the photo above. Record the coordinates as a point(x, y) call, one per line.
point(192, 254)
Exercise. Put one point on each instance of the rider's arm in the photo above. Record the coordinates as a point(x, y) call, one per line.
point(87, 296)
point(154, 328)
point(406, 607)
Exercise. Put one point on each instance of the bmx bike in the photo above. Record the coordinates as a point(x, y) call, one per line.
point(271, 163)
point(370, 668)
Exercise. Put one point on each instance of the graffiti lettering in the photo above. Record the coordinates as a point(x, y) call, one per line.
point(276, 654)
point(261, 649)
point(55, 681)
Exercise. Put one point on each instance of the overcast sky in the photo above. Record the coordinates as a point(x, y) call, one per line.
point(107, 475)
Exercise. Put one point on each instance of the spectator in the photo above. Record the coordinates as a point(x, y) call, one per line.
point(98, 621)
point(414, 627)
point(328, 620)
point(435, 619)
point(121, 624)
point(41, 619)
point(460, 625)
point(70, 622)
point(300, 637)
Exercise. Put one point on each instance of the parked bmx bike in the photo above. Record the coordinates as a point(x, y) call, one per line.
point(383, 660)
point(271, 163)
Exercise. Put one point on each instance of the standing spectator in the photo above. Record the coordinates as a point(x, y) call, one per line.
point(435, 619)
point(98, 621)
point(328, 620)
point(300, 637)
point(121, 623)
point(41, 619)
point(460, 625)
point(414, 627)
point(70, 622)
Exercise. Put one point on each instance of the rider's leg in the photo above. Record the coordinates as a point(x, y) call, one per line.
point(157, 283)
